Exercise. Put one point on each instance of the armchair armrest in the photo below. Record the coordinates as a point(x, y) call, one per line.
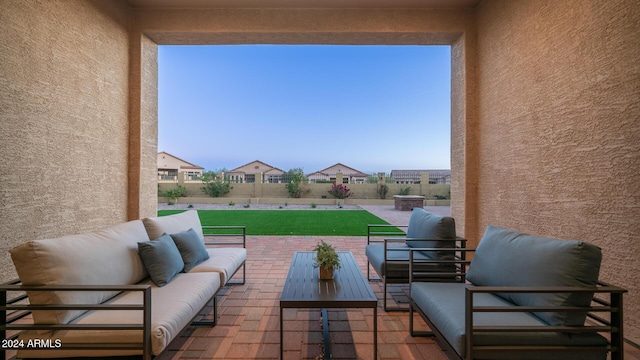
point(221, 231)
point(375, 230)
point(607, 299)
point(16, 307)
point(458, 263)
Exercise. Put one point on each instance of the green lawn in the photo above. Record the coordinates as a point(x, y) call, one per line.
point(291, 222)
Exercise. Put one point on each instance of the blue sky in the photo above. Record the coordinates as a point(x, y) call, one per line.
point(373, 108)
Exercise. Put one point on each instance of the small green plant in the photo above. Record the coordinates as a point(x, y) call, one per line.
point(231, 203)
point(405, 191)
point(190, 206)
point(246, 206)
point(383, 189)
point(326, 256)
point(340, 191)
point(313, 205)
point(174, 194)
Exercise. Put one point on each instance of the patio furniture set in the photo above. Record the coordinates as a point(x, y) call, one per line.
point(521, 296)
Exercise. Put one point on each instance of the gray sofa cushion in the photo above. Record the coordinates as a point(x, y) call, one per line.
point(509, 258)
point(443, 303)
point(191, 248)
point(161, 258)
point(424, 225)
point(397, 266)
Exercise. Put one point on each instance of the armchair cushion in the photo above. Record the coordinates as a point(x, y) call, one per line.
point(503, 258)
point(397, 264)
point(424, 225)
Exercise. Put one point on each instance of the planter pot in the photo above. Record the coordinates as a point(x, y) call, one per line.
point(326, 273)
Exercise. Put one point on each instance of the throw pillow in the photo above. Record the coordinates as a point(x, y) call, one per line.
point(161, 258)
point(191, 248)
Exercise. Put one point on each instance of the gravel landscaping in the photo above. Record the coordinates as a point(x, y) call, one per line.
point(164, 206)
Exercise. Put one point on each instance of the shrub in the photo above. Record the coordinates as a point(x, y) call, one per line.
point(180, 191)
point(295, 186)
point(383, 189)
point(404, 191)
point(216, 184)
point(340, 191)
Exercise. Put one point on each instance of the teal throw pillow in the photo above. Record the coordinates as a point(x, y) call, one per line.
point(161, 258)
point(191, 248)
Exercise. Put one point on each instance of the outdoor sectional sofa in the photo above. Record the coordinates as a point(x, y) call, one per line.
point(525, 297)
point(94, 290)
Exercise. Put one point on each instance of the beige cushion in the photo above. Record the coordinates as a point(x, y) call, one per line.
point(172, 224)
point(173, 306)
point(104, 257)
point(224, 260)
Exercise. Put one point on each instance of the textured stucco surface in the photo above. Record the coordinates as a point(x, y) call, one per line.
point(559, 128)
point(143, 127)
point(63, 110)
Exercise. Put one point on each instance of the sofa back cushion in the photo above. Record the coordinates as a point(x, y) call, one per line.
point(424, 225)
point(104, 257)
point(509, 258)
point(172, 224)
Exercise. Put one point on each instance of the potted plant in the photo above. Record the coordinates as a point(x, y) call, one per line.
point(326, 259)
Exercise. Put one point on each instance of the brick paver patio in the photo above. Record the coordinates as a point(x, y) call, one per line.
point(248, 323)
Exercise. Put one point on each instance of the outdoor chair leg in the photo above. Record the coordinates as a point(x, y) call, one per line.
point(244, 277)
point(414, 333)
point(384, 300)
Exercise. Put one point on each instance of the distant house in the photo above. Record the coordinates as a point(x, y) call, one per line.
point(169, 166)
point(413, 176)
point(247, 173)
point(349, 175)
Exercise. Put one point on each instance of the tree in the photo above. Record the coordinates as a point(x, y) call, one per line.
point(296, 184)
point(216, 183)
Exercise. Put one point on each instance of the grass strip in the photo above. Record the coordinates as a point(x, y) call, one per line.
point(292, 222)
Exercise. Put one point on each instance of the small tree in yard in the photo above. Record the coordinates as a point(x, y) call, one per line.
point(340, 191)
point(216, 184)
point(383, 189)
point(295, 186)
point(172, 194)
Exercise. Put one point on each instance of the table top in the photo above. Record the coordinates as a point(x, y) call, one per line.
point(348, 289)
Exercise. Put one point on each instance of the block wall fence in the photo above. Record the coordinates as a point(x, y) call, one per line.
point(258, 192)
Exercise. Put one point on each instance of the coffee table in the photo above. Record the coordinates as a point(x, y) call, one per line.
point(348, 289)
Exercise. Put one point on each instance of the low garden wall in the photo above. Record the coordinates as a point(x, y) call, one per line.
point(258, 193)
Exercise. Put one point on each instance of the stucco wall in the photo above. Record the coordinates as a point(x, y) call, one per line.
point(559, 128)
point(63, 110)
